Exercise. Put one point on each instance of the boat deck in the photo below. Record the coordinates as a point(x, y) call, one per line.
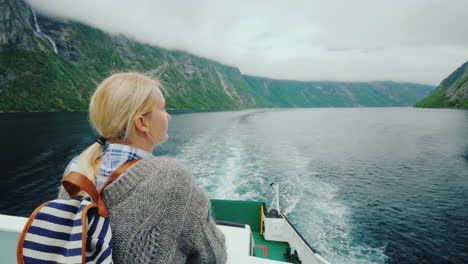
point(245, 241)
point(275, 250)
point(250, 213)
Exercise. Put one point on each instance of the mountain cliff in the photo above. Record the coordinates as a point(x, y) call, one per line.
point(52, 64)
point(452, 92)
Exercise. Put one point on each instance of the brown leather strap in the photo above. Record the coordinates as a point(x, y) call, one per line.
point(19, 249)
point(84, 232)
point(117, 173)
point(74, 182)
point(102, 209)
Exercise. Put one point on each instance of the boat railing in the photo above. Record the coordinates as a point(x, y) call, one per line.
point(278, 228)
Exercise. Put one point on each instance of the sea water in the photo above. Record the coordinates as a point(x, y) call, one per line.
point(362, 185)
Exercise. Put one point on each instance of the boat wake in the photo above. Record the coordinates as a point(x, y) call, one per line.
point(239, 159)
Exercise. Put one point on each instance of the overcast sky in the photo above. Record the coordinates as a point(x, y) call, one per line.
point(419, 41)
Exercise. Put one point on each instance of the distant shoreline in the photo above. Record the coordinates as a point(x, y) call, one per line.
point(189, 110)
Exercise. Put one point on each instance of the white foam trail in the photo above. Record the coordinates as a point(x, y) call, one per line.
point(40, 33)
point(216, 160)
point(228, 173)
point(239, 160)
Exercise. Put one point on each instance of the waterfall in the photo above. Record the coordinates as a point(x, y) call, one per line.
point(38, 30)
point(53, 44)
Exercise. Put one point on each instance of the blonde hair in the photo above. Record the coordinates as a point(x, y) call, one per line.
point(113, 107)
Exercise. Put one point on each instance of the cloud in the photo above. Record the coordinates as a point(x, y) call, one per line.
point(402, 40)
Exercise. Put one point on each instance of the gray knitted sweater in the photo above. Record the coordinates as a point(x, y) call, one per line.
point(159, 215)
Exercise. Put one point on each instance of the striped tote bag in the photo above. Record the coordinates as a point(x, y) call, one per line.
point(70, 231)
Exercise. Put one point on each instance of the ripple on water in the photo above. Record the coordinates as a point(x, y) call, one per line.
point(380, 185)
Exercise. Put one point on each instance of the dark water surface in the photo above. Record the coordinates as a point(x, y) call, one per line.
point(363, 185)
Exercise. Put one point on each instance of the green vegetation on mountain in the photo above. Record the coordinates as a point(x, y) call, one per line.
point(34, 78)
point(451, 93)
point(41, 81)
point(333, 94)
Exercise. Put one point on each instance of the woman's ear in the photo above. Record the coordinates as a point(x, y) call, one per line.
point(141, 124)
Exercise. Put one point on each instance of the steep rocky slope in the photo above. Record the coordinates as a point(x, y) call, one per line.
point(451, 92)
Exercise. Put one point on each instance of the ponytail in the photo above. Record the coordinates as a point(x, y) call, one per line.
point(89, 160)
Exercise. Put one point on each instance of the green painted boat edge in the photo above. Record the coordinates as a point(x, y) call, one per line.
point(244, 212)
point(249, 212)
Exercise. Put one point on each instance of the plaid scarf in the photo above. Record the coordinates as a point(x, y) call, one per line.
point(113, 157)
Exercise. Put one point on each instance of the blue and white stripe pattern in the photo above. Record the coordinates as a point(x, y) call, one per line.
point(113, 157)
point(55, 234)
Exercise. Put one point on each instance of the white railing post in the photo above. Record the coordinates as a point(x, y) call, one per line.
point(276, 199)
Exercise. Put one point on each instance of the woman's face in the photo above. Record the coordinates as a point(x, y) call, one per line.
point(158, 119)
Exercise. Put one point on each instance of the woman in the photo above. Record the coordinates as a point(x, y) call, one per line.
point(157, 213)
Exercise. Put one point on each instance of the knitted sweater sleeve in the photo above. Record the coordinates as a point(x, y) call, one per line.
point(206, 243)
